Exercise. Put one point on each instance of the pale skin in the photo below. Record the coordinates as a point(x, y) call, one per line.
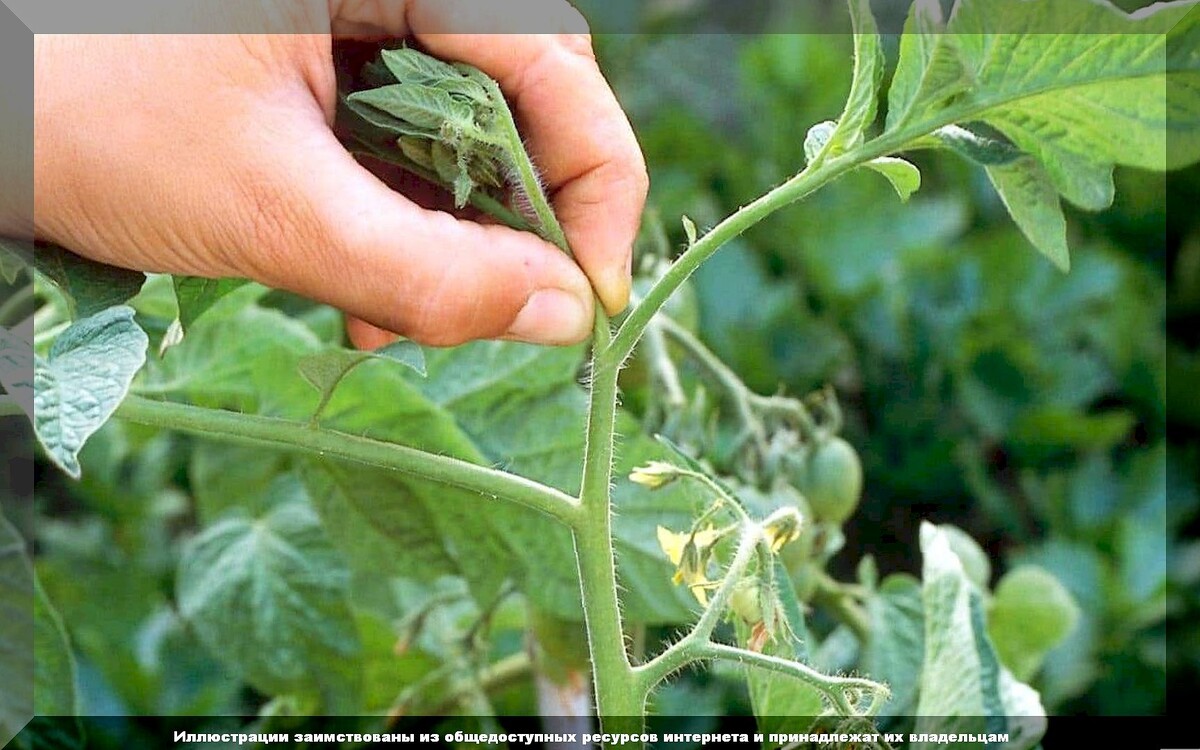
point(214, 156)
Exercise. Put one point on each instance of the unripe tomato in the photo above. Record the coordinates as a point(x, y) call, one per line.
point(744, 601)
point(831, 478)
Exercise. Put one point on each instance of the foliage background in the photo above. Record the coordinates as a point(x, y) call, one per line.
point(982, 387)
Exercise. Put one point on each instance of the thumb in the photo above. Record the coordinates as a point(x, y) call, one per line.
point(321, 225)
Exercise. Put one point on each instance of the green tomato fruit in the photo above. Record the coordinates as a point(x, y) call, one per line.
point(831, 478)
point(744, 601)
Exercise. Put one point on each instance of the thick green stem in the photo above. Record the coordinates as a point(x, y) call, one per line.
point(620, 703)
point(621, 707)
point(299, 437)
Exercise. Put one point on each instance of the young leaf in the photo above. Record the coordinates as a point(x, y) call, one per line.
point(689, 230)
point(422, 106)
point(89, 287)
point(268, 597)
point(196, 295)
point(903, 175)
point(1033, 203)
point(410, 66)
point(817, 139)
point(862, 101)
point(1031, 613)
point(83, 380)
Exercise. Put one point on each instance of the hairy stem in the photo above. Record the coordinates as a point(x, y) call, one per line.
point(796, 188)
point(299, 437)
point(621, 707)
point(681, 653)
point(834, 688)
point(662, 369)
point(548, 226)
point(620, 702)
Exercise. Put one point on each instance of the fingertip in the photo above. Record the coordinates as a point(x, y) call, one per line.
point(367, 337)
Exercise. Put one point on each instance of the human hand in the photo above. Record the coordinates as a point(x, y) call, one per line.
point(214, 156)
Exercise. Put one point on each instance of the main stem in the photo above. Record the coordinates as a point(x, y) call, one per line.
point(620, 704)
point(620, 698)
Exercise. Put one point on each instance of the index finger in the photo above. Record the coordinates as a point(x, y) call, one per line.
point(577, 133)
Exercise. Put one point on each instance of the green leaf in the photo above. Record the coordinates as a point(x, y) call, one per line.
point(16, 633)
point(1032, 201)
point(862, 101)
point(524, 409)
point(239, 356)
point(196, 295)
point(267, 596)
point(380, 523)
point(225, 476)
point(411, 66)
point(35, 656)
point(325, 371)
point(1072, 82)
point(1078, 86)
point(975, 562)
point(83, 380)
point(903, 175)
point(474, 533)
point(16, 369)
point(895, 647)
point(1030, 614)
point(1027, 721)
point(929, 71)
point(89, 287)
point(960, 675)
point(54, 676)
point(422, 106)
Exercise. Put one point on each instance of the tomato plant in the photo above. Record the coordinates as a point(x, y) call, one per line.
point(357, 503)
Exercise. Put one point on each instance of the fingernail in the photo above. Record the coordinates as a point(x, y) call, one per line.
point(614, 291)
point(551, 316)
